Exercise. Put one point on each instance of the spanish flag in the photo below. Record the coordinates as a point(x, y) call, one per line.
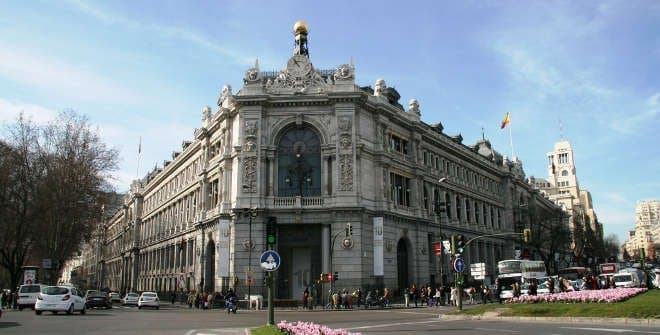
point(505, 121)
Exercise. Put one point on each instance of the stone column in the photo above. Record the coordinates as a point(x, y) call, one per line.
point(325, 248)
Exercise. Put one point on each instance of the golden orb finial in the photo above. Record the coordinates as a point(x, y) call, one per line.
point(300, 27)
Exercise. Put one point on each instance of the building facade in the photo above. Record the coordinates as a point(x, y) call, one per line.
point(646, 235)
point(310, 153)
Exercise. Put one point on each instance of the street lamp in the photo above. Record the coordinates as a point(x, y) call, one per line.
point(439, 210)
point(252, 213)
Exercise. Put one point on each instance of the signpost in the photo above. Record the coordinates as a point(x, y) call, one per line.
point(270, 261)
point(478, 270)
point(459, 265)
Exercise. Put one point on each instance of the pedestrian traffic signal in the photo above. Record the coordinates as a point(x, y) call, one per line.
point(527, 235)
point(336, 276)
point(271, 230)
point(437, 248)
point(460, 244)
point(325, 277)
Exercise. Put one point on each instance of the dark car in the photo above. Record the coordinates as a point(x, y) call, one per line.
point(98, 299)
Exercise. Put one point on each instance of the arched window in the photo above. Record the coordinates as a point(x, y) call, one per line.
point(299, 163)
point(564, 173)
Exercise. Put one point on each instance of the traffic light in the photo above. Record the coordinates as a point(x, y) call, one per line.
point(437, 248)
point(349, 230)
point(271, 230)
point(460, 243)
point(453, 244)
point(328, 277)
point(336, 276)
point(527, 235)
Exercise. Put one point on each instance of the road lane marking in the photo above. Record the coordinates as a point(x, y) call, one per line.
point(498, 330)
point(395, 324)
point(612, 330)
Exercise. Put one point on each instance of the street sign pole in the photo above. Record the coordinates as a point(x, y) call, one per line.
point(270, 262)
point(271, 293)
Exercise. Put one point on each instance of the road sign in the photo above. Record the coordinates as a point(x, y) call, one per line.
point(270, 260)
point(459, 264)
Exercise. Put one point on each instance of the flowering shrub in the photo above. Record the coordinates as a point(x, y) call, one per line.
point(608, 295)
point(309, 328)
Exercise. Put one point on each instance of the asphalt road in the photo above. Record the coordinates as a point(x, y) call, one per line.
point(172, 320)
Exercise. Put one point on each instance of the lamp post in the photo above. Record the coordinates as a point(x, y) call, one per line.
point(441, 210)
point(252, 213)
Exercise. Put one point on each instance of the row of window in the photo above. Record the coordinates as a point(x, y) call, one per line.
point(464, 176)
point(167, 258)
point(166, 220)
point(172, 187)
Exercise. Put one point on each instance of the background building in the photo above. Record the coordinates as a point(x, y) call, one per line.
point(646, 235)
point(307, 152)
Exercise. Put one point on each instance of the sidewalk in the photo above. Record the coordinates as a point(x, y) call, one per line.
point(617, 321)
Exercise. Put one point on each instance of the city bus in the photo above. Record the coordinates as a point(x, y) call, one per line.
point(573, 273)
point(517, 270)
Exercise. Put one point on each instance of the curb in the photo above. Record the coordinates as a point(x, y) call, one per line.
point(619, 321)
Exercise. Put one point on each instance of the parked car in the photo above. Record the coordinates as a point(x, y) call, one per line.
point(114, 297)
point(60, 299)
point(148, 299)
point(130, 298)
point(27, 295)
point(98, 299)
point(626, 279)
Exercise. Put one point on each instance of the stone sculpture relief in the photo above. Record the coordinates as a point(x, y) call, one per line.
point(346, 170)
point(250, 174)
point(226, 99)
point(379, 87)
point(344, 123)
point(413, 106)
point(250, 128)
point(345, 141)
point(344, 72)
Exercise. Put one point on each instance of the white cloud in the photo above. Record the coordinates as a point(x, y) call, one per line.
point(55, 76)
point(616, 197)
point(10, 110)
point(170, 32)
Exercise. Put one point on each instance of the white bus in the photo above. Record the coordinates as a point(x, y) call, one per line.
point(518, 270)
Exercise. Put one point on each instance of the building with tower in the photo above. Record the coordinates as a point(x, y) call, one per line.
point(563, 188)
point(342, 178)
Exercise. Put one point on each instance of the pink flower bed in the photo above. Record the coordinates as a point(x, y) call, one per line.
point(309, 328)
point(608, 295)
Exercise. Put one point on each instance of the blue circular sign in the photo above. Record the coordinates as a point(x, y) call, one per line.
point(270, 260)
point(459, 265)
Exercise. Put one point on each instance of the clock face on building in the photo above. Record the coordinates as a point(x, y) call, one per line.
point(299, 66)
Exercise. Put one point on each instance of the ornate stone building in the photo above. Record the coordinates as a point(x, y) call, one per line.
point(311, 151)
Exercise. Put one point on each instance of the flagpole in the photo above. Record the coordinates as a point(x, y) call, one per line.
point(511, 142)
point(139, 156)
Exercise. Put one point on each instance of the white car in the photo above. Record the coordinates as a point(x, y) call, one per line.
point(148, 299)
point(27, 295)
point(60, 299)
point(130, 298)
point(114, 297)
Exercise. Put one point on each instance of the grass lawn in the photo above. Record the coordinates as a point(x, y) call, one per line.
point(266, 330)
point(642, 306)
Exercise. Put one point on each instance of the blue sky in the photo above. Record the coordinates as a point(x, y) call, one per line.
point(147, 69)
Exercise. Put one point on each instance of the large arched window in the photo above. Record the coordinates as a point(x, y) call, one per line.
point(299, 163)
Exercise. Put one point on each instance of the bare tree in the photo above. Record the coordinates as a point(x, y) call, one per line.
point(550, 237)
point(77, 165)
point(20, 173)
point(61, 182)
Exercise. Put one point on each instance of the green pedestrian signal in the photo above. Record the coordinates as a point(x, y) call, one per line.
point(271, 231)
